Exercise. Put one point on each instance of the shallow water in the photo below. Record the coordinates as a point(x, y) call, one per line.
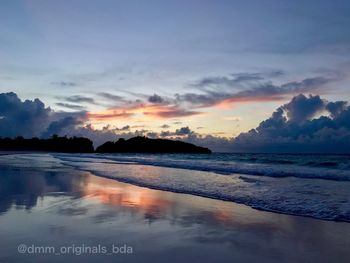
point(45, 203)
point(292, 189)
point(316, 197)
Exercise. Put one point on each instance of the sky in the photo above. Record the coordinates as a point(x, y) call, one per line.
point(172, 68)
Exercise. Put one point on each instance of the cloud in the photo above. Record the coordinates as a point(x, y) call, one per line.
point(69, 122)
point(336, 108)
point(80, 99)
point(179, 132)
point(235, 79)
point(303, 108)
point(183, 131)
point(155, 99)
point(64, 83)
point(150, 111)
point(70, 106)
point(26, 118)
point(305, 124)
point(110, 96)
point(171, 112)
point(165, 126)
point(109, 115)
point(260, 91)
point(294, 127)
point(125, 128)
point(30, 118)
point(251, 87)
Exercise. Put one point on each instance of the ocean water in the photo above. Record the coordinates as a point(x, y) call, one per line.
point(330, 167)
point(306, 185)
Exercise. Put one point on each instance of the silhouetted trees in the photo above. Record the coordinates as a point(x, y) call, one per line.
point(146, 145)
point(84, 145)
point(53, 144)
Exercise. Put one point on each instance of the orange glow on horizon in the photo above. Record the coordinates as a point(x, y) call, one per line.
point(230, 102)
point(149, 111)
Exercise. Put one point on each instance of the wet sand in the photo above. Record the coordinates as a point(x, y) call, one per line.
point(64, 208)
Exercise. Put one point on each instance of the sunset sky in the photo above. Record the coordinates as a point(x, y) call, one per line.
point(217, 67)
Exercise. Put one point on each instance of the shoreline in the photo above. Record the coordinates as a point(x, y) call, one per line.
point(237, 188)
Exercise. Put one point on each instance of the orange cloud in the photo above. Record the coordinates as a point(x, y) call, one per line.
point(109, 115)
point(151, 111)
point(228, 103)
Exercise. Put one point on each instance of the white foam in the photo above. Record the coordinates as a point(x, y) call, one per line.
point(324, 199)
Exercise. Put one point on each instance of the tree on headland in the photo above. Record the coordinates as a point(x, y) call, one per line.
point(141, 144)
point(53, 144)
point(83, 145)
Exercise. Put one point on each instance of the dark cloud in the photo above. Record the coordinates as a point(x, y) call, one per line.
point(26, 118)
point(224, 80)
point(125, 128)
point(303, 108)
point(30, 118)
point(236, 79)
point(172, 112)
point(268, 89)
point(305, 124)
point(116, 129)
point(165, 126)
point(262, 91)
point(110, 96)
point(80, 99)
point(183, 131)
point(166, 134)
point(64, 84)
point(70, 106)
point(152, 135)
point(155, 99)
point(294, 128)
point(69, 122)
point(336, 108)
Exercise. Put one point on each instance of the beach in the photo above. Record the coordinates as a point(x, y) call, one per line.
point(57, 212)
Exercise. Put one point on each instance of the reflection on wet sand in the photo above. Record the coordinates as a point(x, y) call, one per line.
point(122, 195)
point(23, 191)
point(67, 206)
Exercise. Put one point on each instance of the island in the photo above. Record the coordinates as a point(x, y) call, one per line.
point(141, 144)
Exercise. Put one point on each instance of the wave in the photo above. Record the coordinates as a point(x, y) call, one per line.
point(318, 198)
point(322, 199)
point(319, 170)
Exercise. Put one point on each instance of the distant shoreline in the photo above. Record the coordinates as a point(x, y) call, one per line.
point(137, 144)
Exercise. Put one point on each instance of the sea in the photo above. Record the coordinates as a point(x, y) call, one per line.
point(311, 185)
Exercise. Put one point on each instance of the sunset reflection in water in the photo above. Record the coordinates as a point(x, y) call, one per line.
point(149, 202)
point(61, 206)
